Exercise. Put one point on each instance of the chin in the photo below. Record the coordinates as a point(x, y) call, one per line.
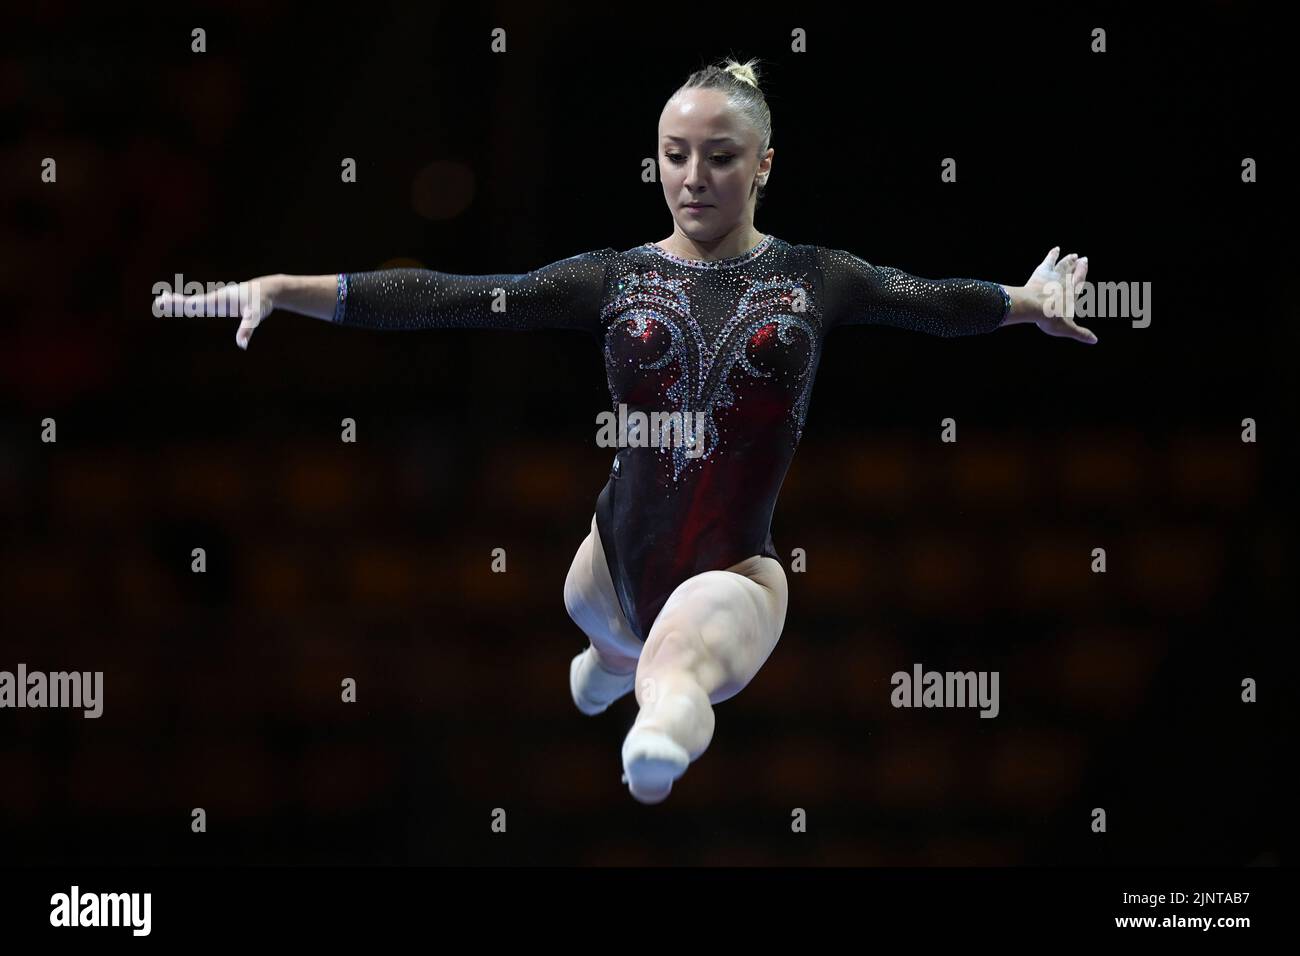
point(703, 231)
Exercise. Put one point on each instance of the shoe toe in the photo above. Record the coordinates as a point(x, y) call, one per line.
point(651, 762)
point(590, 708)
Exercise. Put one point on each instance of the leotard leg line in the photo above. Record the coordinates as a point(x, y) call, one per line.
point(605, 526)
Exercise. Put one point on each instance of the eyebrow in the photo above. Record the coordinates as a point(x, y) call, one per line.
point(714, 139)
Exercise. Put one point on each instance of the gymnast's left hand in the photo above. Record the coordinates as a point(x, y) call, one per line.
point(1054, 287)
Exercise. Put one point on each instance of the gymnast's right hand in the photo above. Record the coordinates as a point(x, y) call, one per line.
point(251, 301)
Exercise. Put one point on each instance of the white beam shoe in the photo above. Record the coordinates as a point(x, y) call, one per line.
point(593, 687)
point(651, 762)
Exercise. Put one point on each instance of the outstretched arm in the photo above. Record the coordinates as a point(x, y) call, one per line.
point(564, 294)
point(561, 295)
point(858, 292)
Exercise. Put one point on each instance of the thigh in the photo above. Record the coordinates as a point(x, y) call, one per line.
point(591, 601)
point(721, 626)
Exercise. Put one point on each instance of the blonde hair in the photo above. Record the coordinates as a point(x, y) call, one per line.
point(740, 82)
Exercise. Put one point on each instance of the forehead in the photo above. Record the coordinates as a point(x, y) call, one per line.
point(701, 114)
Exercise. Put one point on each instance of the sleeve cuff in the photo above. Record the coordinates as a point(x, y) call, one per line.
point(340, 303)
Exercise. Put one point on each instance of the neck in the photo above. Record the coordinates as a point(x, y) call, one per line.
point(735, 243)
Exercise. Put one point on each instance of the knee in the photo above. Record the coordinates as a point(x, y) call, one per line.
point(572, 597)
point(577, 597)
point(682, 648)
point(675, 643)
point(716, 620)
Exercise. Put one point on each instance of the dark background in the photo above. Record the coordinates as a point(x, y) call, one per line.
point(371, 560)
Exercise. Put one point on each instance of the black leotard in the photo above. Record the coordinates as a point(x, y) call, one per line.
point(738, 340)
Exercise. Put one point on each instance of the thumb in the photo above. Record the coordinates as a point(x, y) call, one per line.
point(248, 322)
point(1080, 334)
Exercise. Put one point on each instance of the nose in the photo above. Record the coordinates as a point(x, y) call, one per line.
point(694, 177)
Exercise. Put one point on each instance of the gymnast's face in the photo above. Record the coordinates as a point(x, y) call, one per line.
point(708, 154)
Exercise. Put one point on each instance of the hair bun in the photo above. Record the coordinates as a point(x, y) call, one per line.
point(743, 71)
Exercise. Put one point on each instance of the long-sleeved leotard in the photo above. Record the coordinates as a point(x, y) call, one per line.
point(732, 343)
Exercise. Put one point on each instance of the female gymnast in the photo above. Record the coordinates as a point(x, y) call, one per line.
point(678, 586)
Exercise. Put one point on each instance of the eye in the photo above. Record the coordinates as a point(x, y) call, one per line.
point(721, 159)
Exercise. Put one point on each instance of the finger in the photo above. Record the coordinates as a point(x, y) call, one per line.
point(170, 304)
point(1066, 265)
point(1052, 253)
point(190, 305)
point(1079, 333)
point(221, 302)
point(1080, 270)
point(249, 320)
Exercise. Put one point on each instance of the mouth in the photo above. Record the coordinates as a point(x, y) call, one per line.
point(697, 205)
